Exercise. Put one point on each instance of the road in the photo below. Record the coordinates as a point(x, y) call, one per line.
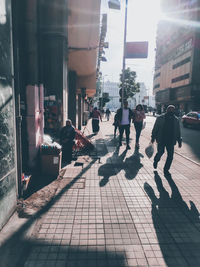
point(191, 144)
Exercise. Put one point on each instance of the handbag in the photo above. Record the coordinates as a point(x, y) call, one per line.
point(149, 150)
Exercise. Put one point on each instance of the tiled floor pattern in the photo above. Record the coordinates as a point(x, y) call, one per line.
point(137, 218)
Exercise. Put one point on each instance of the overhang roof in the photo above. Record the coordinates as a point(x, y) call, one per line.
point(83, 35)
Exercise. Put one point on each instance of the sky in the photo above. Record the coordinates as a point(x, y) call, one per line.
point(142, 19)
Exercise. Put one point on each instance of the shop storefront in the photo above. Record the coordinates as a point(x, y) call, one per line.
point(162, 100)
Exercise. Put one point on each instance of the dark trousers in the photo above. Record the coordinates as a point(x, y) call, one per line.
point(108, 117)
point(125, 128)
point(115, 129)
point(95, 126)
point(67, 152)
point(160, 152)
point(138, 129)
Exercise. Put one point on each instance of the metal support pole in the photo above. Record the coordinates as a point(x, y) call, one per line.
point(102, 91)
point(124, 62)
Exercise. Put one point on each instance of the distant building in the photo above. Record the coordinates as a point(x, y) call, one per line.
point(152, 101)
point(176, 77)
point(112, 88)
point(142, 97)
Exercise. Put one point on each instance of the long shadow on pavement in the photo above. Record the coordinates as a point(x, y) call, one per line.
point(16, 241)
point(116, 163)
point(133, 165)
point(16, 249)
point(176, 225)
point(40, 253)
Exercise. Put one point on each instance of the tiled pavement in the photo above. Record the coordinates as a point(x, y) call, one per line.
point(118, 212)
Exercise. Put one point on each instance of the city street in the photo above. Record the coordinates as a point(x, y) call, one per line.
point(113, 210)
point(72, 195)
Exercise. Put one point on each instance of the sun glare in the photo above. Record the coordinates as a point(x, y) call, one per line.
point(143, 16)
point(142, 20)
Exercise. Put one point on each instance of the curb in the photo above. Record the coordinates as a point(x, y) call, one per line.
point(181, 155)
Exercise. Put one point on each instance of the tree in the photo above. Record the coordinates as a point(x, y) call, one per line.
point(104, 99)
point(130, 85)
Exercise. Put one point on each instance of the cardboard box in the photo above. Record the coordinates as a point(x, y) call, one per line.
point(51, 164)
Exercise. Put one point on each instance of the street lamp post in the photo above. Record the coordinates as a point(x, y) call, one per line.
point(124, 62)
point(102, 91)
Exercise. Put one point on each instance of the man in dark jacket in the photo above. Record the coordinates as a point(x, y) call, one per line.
point(67, 136)
point(166, 132)
point(124, 117)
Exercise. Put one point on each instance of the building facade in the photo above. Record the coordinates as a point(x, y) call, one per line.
point(48, 56)
point(8, 146)
point(177, 65)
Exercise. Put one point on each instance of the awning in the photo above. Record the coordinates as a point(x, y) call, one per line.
point(83, 35)
point(88, 82)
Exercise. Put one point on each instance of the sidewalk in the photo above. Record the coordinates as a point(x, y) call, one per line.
point(111, 212)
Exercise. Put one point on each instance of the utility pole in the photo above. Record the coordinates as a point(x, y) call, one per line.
point(124, 62)
point(102, 91)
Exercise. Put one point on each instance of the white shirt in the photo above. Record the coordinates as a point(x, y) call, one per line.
point(125, 115)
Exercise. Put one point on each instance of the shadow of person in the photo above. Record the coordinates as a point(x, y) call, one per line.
point(109, 168)
point(133, 165)
point(174, 224)
point(192, 213)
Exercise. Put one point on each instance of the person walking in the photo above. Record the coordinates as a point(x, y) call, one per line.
point(108, 114)
point(67, 136)
point(116, 124)
point(96, 116)
point(124, 116)
point(138, 120)
point(166, 132)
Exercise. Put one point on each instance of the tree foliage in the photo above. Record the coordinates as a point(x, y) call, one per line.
point(103, 100)
point(130, 85)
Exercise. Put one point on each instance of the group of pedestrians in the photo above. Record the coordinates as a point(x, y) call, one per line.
point(166, 131)
point(123, 119)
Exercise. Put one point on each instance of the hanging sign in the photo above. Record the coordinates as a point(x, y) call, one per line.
point(136, 50)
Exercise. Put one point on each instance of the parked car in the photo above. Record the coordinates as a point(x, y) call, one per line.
point(191, 119)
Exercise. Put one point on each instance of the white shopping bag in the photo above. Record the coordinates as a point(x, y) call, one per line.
point(149, 150)
point(144, 125)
